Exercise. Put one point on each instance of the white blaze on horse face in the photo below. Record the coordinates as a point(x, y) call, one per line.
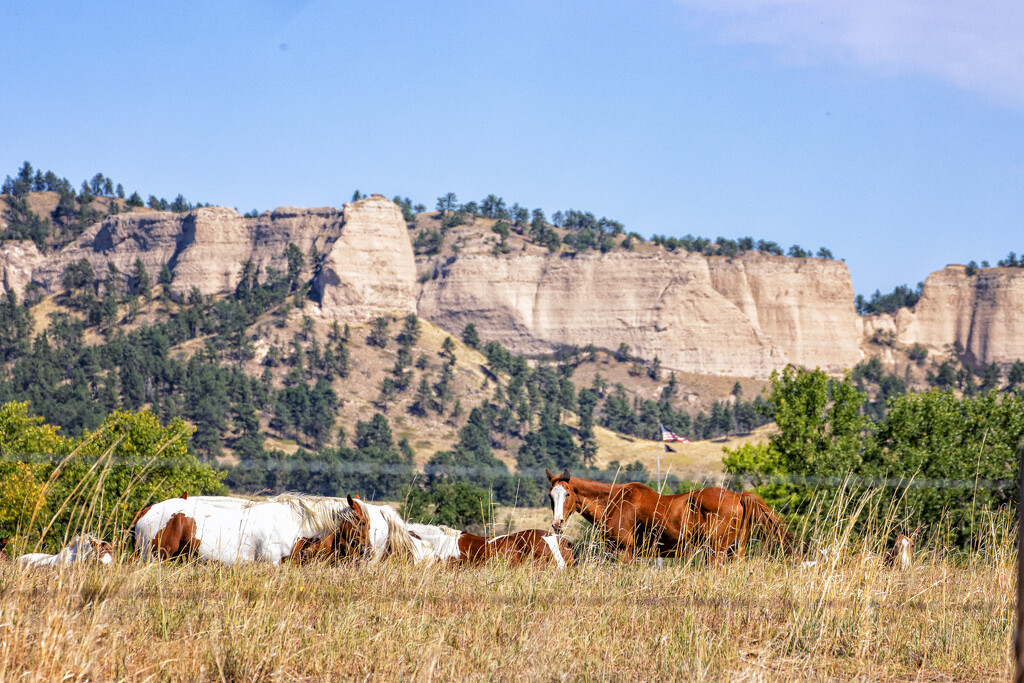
point(559, 494)
point(904, 553)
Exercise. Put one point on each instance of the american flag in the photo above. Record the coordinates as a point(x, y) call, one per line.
point(668, 435)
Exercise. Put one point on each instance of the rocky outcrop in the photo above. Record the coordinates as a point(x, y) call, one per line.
point(745, 316)
point(370, 269)
point(18, 259)
point(983, 313)
point(204, 249)
point(804, 305)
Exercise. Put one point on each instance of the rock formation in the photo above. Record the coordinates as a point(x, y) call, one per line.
point(370, 270)
point(18, 260)
point(204, 248)
point(983, 313)
point(745, 316)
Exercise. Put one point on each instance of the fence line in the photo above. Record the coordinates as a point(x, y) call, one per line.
point(321, 465)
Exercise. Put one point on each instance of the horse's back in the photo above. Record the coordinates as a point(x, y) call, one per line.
point(541, 544)
point(717, 500)
point(37, 560)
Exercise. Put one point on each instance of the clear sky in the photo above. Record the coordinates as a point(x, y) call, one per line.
point(891, 132)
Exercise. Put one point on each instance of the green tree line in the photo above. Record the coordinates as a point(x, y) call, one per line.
point(931, 456)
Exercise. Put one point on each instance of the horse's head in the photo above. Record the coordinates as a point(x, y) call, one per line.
point(103, 551)
point(563, 498)
point(901, 554)
point(353, 538)
point(86, 547)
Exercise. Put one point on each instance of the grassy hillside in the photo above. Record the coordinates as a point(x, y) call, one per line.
point(284, 345)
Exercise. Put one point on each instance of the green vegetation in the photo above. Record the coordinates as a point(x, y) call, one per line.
point(75, 210)
point(938, 457)
point(576, 231)
point(900, 297)
point(52, 486)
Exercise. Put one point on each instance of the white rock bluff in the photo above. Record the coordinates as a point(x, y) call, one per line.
point(370, 270)
point(744, 316)
point(983, 313)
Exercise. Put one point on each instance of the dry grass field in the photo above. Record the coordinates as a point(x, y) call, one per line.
point(761, 618)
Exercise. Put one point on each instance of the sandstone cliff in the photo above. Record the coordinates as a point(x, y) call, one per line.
point(370, 269)
point(745, 316)
point(18, 260)
point(983, 313)
point(204, 248)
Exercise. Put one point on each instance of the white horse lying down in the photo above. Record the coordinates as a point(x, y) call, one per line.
point(82, 548)
point(237, 530)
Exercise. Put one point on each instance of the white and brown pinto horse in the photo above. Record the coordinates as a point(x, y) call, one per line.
point(236, 530)
point(459, 547)
point(81, 548)
point(380, 532)
point(637, 519)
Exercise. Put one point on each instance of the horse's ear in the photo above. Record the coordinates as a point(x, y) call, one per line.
point(185, 495)
point(551, 477)
point(565, 474)
point(351, 503)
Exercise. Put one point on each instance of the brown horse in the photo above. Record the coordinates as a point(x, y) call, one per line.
point(350, 541)
point(637, 519)
point(901, 553)
point(460, 547)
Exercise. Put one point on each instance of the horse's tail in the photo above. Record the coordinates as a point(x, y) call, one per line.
point(756, 511)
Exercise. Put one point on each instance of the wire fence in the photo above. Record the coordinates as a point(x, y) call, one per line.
point(486, 473)
point(483, 472)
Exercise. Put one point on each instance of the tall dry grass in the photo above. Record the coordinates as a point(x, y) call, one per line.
point(764, 617)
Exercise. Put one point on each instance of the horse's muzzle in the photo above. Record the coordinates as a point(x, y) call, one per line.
point(557, 526)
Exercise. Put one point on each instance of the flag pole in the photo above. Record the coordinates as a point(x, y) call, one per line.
point(659, 467)
point(661, 445)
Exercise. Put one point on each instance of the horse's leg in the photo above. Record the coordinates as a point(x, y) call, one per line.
point(626, 553)
point(623, 530)
point(724, 535)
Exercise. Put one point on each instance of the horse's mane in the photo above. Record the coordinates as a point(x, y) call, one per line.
point(224, 500)
point(446, 530)
point(320, 515)
point(399, 538)
point(78, 539)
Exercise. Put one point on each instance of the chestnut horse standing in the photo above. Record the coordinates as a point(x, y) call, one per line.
point(460, 547)
point(636, 518)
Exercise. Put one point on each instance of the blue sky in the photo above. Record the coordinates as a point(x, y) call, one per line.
point(890, 132)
